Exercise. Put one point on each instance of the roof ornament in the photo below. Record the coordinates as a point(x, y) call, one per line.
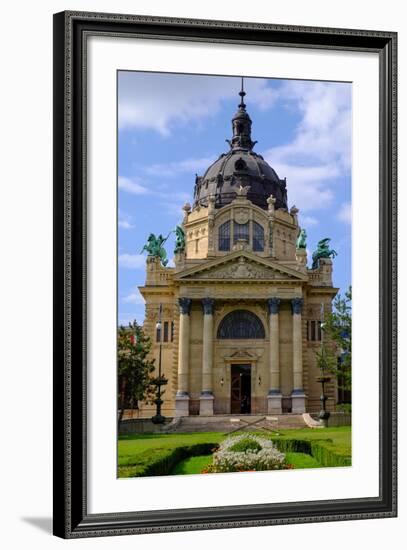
point(242, 191)
point(242, 126)
point(242, 93)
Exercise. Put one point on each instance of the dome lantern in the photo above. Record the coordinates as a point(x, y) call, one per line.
point(242, 127)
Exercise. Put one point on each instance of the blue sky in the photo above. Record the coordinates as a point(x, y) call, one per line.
point(171, 127)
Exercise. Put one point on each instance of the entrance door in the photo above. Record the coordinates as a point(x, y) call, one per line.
point(240, 394)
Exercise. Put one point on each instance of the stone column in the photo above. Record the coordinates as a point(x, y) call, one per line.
point(297, 396)
point(206, 399)
point(274, 395)
point(182, 397)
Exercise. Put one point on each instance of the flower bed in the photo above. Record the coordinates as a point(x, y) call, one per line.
point(244, 453)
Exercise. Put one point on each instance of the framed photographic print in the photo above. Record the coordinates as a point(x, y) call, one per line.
point(225, 274)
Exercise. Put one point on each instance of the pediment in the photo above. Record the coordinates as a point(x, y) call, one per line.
point(240, 266)
point(241, 355)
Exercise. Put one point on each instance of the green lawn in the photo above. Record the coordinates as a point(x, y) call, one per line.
point(132, 445)
point(302, 460)
point(137, 450)
point(192, 465)
point(335, 440)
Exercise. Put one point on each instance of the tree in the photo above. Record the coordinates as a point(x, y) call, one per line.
point(337, 330)
point(135, 382)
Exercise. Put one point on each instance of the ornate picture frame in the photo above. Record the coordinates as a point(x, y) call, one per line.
point(71, 33)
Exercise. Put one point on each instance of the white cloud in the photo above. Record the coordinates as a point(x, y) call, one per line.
point(132, 261)
point(132, 185)
point(345, 213)
point(134, 298)
point(125, 221)
point(124, 224)
point(308, 221)
point(307, 184)
point(321, 148)
point(160, 102)
point(173, 168)
point(324, 133)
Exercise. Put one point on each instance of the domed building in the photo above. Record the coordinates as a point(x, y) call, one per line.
point(240, 312)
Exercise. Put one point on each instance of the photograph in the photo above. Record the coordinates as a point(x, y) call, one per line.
point(234, 274)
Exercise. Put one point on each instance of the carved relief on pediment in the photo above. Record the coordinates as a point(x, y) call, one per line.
point(242, 269)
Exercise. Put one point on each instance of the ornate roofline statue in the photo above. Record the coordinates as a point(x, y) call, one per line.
point(302, 239)
point(179, 239)
point(322, 251)
point(155, 247)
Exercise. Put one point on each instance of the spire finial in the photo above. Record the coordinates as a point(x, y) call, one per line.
point(242, 125)
point(242, 93)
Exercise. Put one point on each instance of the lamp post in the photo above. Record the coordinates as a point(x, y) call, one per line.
point(323, 379)
point(158, 418)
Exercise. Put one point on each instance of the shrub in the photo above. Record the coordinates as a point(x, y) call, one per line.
point(344, 407)
point(245, 445)
point(323, 450)
point(258, 454)
point(160, 462)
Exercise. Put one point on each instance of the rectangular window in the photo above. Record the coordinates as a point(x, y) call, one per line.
point(224, 237)
point(240, 232)
point(158, 335)
point(258, 237)
point(314, 331)
point(165, 331)
point(172, 331)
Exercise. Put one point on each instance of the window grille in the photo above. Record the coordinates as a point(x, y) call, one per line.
point(240, 232)
point(258, 237)
point(241, 324)
point(224, 236)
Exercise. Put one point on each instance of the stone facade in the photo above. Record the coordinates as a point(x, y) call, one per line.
point(207, 284)
point(241, 311)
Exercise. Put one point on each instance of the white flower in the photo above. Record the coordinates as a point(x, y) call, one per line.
point(267, 458)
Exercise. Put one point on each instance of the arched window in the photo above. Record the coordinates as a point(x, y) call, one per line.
point(240, 324)
point(224, 236)
point(258, 237)
point(240, 232)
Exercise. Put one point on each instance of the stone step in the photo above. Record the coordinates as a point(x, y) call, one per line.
point(228, 423)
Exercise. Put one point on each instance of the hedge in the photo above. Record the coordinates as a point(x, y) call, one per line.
point(160, 462)
point(322, 450)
